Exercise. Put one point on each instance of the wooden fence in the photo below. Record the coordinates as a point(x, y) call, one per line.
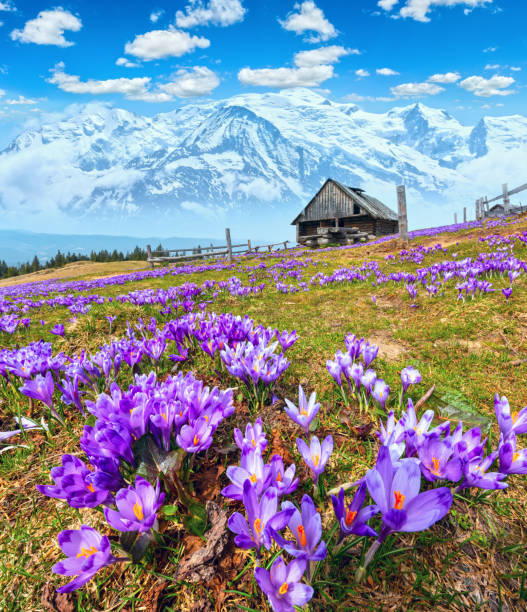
point(229, 250)
point(483, 209)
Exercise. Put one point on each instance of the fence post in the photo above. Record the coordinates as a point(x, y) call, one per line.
point(229, 244)
point(455, 218)
point(403, 219)
point(464, 214)
point(285, 245)
point(149, 255)
point(199, 249)
point(477, 210)
point(506, 200)
point(249, 246)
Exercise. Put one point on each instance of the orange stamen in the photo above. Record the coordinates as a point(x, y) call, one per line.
point(399, 500)
point(283, 589)
point(164, 416)
point(138, 511)
point(316, 459)
point(301, 535)
point(258, 526)
point(514, 416)
point(196, 440)
point(350, 517)
point(90, 487)
point(87, 552)
point(253, 478)
point(279, 477)
point(435, 466)
point(515, 457)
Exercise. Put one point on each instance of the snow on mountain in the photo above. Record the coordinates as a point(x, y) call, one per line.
point(253, 152)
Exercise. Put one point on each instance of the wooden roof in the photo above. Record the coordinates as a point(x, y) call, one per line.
point(371, 206)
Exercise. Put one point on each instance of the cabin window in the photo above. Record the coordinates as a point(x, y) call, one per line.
point(356, 209)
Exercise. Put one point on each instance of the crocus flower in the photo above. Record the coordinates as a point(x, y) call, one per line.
point(254, 436)
point(57, 330)
point(253, 469)
point(315, 455)
point(282, 584)
point(73, 483)
point(355, 373)
point(512, 461)
point(438, 461)
point(27, 425)
point(354, 519)
point(40, 388)
point(306, 411)
point(87, 551)
point(136, 507)
point(335, 371)
point(306, 527)
point(380, 393)
point(515, 423)
point(283, 480)
point(368, 380)
point(507, 292)
point(369, 353)
point(415, 431)
point(197, 437)
point(255, 531)
point(410, 376)
point(396, 493)
point(476, 475)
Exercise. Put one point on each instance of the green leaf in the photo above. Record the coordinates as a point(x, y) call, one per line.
point(196, 521)
point(169, 511)
point(153, 460)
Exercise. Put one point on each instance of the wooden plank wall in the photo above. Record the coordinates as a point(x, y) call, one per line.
point(331, 202)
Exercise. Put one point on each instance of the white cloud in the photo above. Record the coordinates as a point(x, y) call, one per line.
point(515, 68)
point(309, 18)
point(21, 100)
point(362, 73)
point(156, 15)
point(123, 61)
point(353, 97)
point(416, 90)
point(387, 5)
point(188, 83)
point(7, 6)
point(215, 12)
point(485, 88)
point(72, 84)
point(323, 55)
point(493, 67)
point(286, 77)
point(199, 81)
point(48, 28)
point(158, 44)
point(446, 78)
point(419, 9)
point(490, 49)
point(386, 72)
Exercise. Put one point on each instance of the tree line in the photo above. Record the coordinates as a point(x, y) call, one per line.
point(61, 259)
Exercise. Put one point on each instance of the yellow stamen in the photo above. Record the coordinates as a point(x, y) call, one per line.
point(254, 443)
point(258, 526)
point(515, 457)
point(253, 478)
point(350, 517)
point(138, 511)
point(301, 535)
point(196, 440)
point(514, 416)
point(399, 500)
point(434, 468)
point(164, 416)
point(90, 488)
point(87, 552)
point(283, 589)
point(316, 459)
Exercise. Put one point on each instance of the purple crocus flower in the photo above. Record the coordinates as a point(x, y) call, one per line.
point(87, 551)
point(507, 292)
point(315, 455)
point(136, 507)
point(410, 376)
point(335, 371)
point(27, 425)
point(253, 469)
point(380, 393)
point(254, 436)
point(468, 445)
point(437, 461)
point(282, 584)
point(262, 519)
point(306, 527)
point(107, 440)
point(354, 519)
point(476, 475)
point(57, 330)
point(368, 380)
point(196, 437)
point(283, 480)
point(369, 353)
point(396, 493)
point(40, 388)
point(306, 411)
point(355, 373)
point(515, 423)
point(416, 431)
point(512, 461)
point(73, 483)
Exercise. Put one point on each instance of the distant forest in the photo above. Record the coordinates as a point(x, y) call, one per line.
point(61, 259)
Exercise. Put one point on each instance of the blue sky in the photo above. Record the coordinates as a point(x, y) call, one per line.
point(469, 57)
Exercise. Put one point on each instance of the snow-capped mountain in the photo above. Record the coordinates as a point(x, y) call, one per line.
point(250, 157)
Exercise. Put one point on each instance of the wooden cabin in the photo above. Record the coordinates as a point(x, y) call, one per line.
point(338, 213)
point(498, 210)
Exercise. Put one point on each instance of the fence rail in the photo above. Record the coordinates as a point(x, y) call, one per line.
point(204, 252)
